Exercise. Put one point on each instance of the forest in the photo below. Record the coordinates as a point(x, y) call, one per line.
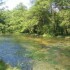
point(47, 17)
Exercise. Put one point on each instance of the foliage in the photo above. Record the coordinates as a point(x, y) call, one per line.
point(3, 66)
point(39, 19)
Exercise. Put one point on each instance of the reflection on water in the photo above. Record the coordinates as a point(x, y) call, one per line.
point(11, 52)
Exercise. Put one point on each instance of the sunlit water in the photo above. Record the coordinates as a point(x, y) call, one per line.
point(12, 53)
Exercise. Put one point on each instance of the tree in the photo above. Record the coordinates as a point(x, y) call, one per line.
point(65, 21)
point(38, 16)
point(15, 19)
point(55, 17)
point(44, 17)
point(63, 4)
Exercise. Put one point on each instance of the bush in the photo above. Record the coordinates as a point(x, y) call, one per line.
point(47, 35)
point(3, 66)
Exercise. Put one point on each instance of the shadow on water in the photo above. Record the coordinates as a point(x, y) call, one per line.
point(13, 54)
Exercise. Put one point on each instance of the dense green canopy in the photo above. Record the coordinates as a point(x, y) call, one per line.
point(39, 19)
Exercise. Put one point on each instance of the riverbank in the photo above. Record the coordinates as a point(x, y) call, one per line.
point(45, 41)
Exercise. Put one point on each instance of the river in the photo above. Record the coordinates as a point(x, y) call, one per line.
point(12, 53)
point(29, 55)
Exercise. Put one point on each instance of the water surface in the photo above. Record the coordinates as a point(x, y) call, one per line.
point(12, 53)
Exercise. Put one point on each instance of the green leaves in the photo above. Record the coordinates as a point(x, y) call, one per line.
point(37, 19)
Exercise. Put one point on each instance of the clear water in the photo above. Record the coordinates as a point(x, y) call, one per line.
point(12, 53)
